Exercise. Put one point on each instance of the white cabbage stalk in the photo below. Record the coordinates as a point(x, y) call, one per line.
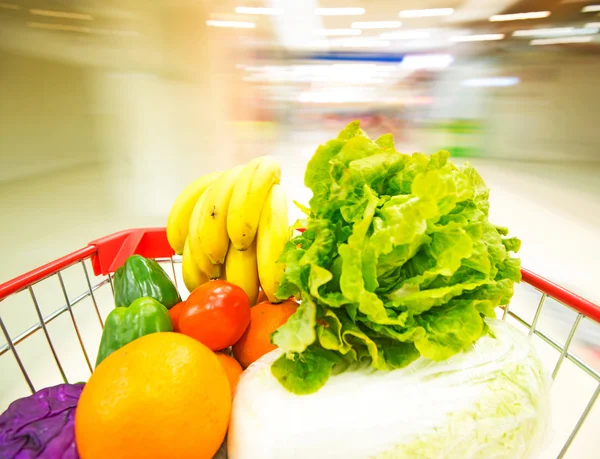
point(490, 402)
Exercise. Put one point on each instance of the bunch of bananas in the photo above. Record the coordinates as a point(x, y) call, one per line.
point(233, 225)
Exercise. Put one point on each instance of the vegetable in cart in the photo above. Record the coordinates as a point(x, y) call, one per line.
point(398, 260)
point(139, 277)
point(41, 425)
point(490, 401)
point(123, 325)
point(217, 313)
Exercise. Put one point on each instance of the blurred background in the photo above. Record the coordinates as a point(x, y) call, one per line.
point(109, 108)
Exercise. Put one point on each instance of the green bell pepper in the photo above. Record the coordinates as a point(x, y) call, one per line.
point(140, 277)
point(123, 325)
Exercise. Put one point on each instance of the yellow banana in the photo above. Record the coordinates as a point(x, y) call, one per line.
point(212, 220)
point(271, 238)
point(248, 197)
point(241, 270)
point(212, 271)
point(179, 217)
point(193, 277)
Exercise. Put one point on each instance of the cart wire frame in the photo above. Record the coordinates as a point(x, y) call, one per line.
point(108, 253)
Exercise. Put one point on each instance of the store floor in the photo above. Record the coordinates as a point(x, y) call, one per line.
point(553, 208)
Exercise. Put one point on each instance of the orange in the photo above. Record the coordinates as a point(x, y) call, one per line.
point(175, 312)
point(232, 368)
point(265, 318)
point(262, 296)
point(162, 396)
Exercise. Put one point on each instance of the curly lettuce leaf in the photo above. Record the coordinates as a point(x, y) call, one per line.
point(449, 329)
point(299, 331)
point(306, 373)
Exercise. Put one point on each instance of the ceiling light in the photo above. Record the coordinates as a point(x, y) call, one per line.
point(73, 28)
point(61, 14)
point(432, 12)
point(409, 35)
point(62, 27)
point(9, 6)
point(520, 16)
point(592, 25)
point(337, 32)
point(590, 9)
point(120, 33)
point(542, 32)
point(260, 11)
point(558, 41)
point(340, 11)
point(555, 32)
point(491, 82)
point(231, 24)
point(486, 37)
point(377, 25)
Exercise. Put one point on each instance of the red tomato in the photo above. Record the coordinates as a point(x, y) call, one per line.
point(175, 312)
point(217, 313)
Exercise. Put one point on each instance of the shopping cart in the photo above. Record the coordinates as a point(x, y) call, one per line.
point(105, 255)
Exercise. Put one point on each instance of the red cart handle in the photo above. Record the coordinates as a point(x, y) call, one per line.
point(113, 250)
point(24, 280)
point(107, 254)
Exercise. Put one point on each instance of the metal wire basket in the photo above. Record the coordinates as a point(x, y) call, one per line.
point(30, 360)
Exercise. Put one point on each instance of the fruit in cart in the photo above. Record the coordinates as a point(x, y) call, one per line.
point(175, 312)
point(265, 318)
point(212, 271)
point(248, 198)
point(162, 396)
point(232, 368)
point(273, 235)
point(241, 269)
point(124, 325)
point(489, 401)
point(193, 276)
point(226, 214)
point(140, 277)
point(216, 314)
point(262, 296)
point(211, 229)
point(179, 217)
point(41, 425)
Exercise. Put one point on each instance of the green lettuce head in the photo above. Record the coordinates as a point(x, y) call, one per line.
point(398, 260)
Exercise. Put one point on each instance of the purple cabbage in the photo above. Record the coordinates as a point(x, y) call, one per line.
point(41, 425)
